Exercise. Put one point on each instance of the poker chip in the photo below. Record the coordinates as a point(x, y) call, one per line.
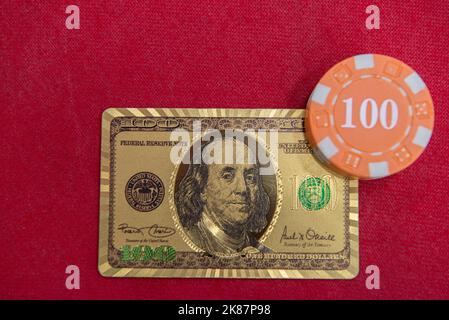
point(370, 116)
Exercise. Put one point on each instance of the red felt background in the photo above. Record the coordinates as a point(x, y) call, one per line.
point(55, 83)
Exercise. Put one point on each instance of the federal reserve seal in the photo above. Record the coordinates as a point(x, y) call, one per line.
point(144, 191)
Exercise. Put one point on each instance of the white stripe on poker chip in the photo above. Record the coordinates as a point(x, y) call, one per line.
point(327, 148)
point(395, 146)
point(378, 169)
point(376, 154)
point(339, 138)
point(407, 130)
point(422, 136)
point(319, 95)
point(347, 83)
point(334, 100)
point(364, 61)
point(415, 83)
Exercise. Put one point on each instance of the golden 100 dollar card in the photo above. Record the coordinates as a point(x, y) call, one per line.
point(221, 193)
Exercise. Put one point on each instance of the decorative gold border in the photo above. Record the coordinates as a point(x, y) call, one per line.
point(107, 270)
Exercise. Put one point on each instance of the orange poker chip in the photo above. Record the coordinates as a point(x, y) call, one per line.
point(370, 116)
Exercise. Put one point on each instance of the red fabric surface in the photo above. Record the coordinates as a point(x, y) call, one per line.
point(55, 83)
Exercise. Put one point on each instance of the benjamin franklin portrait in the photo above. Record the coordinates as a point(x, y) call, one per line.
point(223, 206)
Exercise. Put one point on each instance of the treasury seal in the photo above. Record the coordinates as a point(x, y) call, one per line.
point(144, 191)
point(314, 193)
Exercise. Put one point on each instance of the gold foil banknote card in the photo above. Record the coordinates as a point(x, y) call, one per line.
point(221, 193)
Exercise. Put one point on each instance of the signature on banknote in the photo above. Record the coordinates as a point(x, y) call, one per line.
point(310, 234)
point(154, 231)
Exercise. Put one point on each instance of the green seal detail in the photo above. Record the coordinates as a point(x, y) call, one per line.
point(164, 253)
point(314, 193)
point(146, 253)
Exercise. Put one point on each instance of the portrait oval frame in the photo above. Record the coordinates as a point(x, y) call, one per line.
point(268, 229)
